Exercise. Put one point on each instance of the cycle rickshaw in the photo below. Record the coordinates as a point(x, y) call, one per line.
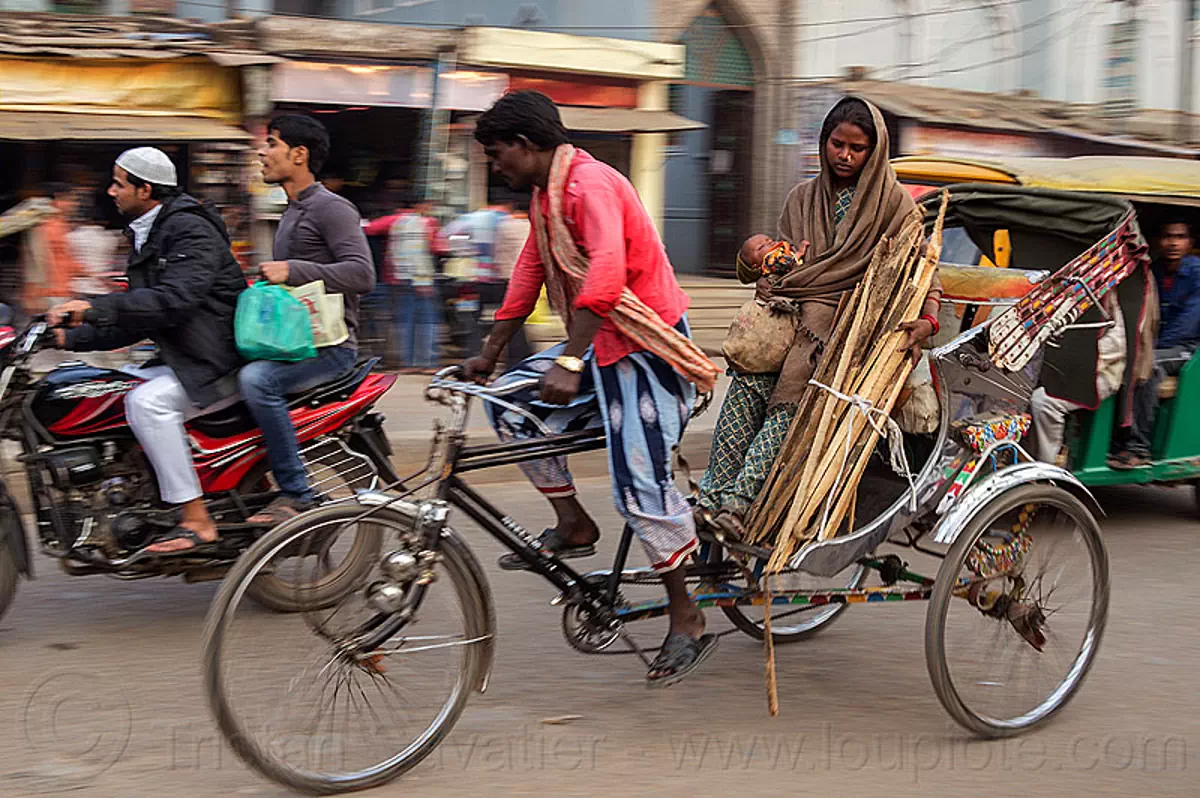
point(361, 687)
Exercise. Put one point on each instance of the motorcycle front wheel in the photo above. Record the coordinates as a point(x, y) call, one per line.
point(317, 573)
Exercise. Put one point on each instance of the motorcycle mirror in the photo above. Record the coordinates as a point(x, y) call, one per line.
point(6, 315)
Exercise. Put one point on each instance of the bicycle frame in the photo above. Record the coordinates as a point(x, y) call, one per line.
point(598, 592)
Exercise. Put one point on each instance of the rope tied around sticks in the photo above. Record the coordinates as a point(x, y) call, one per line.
point(886, 427)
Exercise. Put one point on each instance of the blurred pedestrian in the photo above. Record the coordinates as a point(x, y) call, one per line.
point(486, 243)
point(378, 311)
point(411, 272)
point(21, 239)
point(95, 247)
point(511, 234)
point(53, 266)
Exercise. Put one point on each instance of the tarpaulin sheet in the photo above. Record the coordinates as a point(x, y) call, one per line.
point(190, 87)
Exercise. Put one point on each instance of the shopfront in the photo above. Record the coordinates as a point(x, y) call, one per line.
point(611, 94)
point(66, 120)
point(384, 120)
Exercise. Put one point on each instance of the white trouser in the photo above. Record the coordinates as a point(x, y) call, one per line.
point(156, 411)
point(1050, 418)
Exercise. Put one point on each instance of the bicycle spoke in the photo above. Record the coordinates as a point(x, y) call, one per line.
point(316, 701)
point(1011, 644)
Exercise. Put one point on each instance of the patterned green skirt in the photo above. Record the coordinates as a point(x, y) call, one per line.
point(746, 441)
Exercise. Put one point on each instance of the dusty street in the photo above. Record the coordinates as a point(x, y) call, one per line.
point(101, 689)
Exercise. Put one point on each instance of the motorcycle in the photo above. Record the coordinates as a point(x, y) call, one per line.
point(95, 498)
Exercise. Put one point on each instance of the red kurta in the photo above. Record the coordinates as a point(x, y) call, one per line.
point(609, 224)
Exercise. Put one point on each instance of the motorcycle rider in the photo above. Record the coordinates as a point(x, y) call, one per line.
point(183, 289)
point(320, 237)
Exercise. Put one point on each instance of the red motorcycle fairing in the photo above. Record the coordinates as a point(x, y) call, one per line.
point(75, 402)
point(82, 401)
point(222, 462)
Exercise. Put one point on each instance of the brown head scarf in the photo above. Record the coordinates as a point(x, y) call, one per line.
point(838, 255)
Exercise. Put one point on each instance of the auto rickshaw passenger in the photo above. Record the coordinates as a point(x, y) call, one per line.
point(1177, 274)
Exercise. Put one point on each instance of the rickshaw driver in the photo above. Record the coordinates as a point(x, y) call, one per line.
point(1177, 275)
point(588, 218)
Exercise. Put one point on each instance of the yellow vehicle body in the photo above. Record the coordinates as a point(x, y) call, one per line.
point(1170, 181)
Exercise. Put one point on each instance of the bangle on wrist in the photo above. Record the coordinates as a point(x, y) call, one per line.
point(933, 322)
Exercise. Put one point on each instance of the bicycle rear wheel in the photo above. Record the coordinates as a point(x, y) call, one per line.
point(789, 624)
point(306, 708)
point(1017, 611)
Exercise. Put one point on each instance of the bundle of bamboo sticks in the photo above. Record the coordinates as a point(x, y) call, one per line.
point(811, 489)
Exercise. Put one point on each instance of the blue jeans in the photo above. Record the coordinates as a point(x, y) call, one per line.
point(416, 325)
point(265, 385)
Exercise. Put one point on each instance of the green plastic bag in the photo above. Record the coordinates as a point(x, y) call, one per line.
point(271, 324)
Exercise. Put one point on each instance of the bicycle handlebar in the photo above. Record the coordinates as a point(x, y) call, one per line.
point(442, 386)
point(445, 380)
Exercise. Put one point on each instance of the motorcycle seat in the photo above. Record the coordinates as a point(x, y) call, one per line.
point(236, 419)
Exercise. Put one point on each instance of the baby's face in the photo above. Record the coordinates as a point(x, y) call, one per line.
point(756, 248)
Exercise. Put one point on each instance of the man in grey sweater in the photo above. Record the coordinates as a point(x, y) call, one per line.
point(320, 237)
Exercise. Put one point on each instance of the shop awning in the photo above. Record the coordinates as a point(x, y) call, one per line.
point(624, 120)
point(46, 126)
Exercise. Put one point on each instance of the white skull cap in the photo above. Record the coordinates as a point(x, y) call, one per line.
point(150, 164)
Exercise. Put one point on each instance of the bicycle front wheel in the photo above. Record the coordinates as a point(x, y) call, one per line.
point(1018, 611)
point(303, 705)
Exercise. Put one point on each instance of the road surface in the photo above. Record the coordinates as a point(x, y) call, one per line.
point(101, 688)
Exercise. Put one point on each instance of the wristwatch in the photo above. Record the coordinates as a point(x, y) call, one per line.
point(571, 364)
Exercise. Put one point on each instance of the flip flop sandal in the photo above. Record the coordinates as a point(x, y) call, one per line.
point(199, 545)
point(680, 654)
point(552, 542)
point(281, 508)
point(1124, 461)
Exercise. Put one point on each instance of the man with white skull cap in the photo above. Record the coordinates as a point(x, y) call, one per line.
point(184, 284)
point(150, 164)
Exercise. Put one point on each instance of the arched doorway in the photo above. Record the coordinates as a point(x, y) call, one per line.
point(709, 172)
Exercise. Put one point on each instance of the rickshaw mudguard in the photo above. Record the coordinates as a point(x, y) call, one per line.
point(983, 492)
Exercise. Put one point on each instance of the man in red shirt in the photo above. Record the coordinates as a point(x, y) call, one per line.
point(619, 301)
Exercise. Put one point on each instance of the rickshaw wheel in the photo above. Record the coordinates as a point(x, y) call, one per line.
point(1018, 611)
point(791, 625)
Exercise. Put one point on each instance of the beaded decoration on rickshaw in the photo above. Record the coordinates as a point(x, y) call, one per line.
point(1017, 334)
point(979, 434)
point(987, 560)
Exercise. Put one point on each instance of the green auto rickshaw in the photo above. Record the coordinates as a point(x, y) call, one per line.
point(1004, 246)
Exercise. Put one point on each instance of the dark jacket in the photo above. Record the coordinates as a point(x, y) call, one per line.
point(183, 291)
